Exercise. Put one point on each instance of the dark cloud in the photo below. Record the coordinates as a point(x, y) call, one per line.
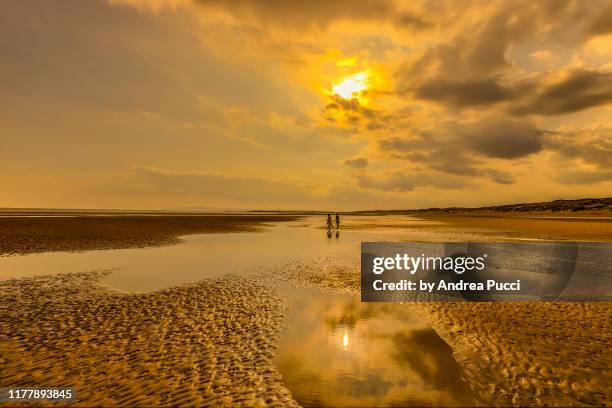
point(353, 112)
point(461, 148)
point(472, 68)
point(404, 181)
point(502, 138)
point(581, 156)
point(357, 163)
point(460, 167)
point(464, 93)
point(578, 90)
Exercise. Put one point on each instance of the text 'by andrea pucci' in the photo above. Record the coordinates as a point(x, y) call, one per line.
point(459, 265)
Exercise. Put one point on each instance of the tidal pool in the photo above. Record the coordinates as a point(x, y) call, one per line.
point(339, 352)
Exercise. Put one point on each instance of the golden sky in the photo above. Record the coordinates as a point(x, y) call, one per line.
point(318, 104)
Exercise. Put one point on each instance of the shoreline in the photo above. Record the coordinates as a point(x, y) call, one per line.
point(29, 235)
point(22, 235)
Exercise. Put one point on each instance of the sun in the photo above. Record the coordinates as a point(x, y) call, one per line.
point(352, 85)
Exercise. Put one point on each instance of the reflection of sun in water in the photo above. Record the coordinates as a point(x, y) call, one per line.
point(345, 340)
point(352, 85)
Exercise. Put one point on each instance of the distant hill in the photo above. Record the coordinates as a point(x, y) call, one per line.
point(584, 204)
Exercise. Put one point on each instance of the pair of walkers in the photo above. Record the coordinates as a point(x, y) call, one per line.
point(330, 224)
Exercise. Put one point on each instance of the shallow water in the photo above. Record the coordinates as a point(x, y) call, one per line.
point(339, 352)
point(211, 255)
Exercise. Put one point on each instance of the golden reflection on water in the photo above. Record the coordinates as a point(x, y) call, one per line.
point(339, 352)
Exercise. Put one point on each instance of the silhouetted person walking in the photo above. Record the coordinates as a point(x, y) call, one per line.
point(337, 221)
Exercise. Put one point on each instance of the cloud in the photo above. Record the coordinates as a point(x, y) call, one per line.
point(542, 55)
point(357, 163)
point(578, 89)
point(154, 6)
point(404, 181)
point(501, 137)
point(477, 67)
point(602, 24)
point(317, 13)
point(589, 146)
point(352, 112)
point(464, 93)
point(463, 166)
point(584, 176)
point(206, 187)
point(555, 93)
point(123, 61)
point(463, 148)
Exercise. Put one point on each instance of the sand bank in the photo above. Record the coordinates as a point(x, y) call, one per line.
point(25, 235)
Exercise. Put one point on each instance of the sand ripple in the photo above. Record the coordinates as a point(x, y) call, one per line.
point(206, 344)
point(512, 354)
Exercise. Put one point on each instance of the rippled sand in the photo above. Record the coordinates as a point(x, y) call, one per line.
point(512, 354)
point(206, 344)
point(212, 343)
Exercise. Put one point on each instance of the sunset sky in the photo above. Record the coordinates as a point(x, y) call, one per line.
point(316, 104)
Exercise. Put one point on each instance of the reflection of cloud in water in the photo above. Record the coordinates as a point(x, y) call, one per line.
point(425, 353)
point(338, 351)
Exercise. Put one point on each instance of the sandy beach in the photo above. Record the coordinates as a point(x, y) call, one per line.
point(344, 204)
point(213, 342)
point(207, 344)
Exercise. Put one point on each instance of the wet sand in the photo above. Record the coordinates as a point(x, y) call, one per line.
point(212, 343)
point(533, 226)
point(206, 344)
point(26, 235)
point(544, 353)
point(512, 354)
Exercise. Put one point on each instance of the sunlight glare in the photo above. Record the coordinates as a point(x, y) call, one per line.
point(352, 85)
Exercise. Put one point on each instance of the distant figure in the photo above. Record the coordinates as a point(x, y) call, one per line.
point(337, 221)
point(330, 225)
